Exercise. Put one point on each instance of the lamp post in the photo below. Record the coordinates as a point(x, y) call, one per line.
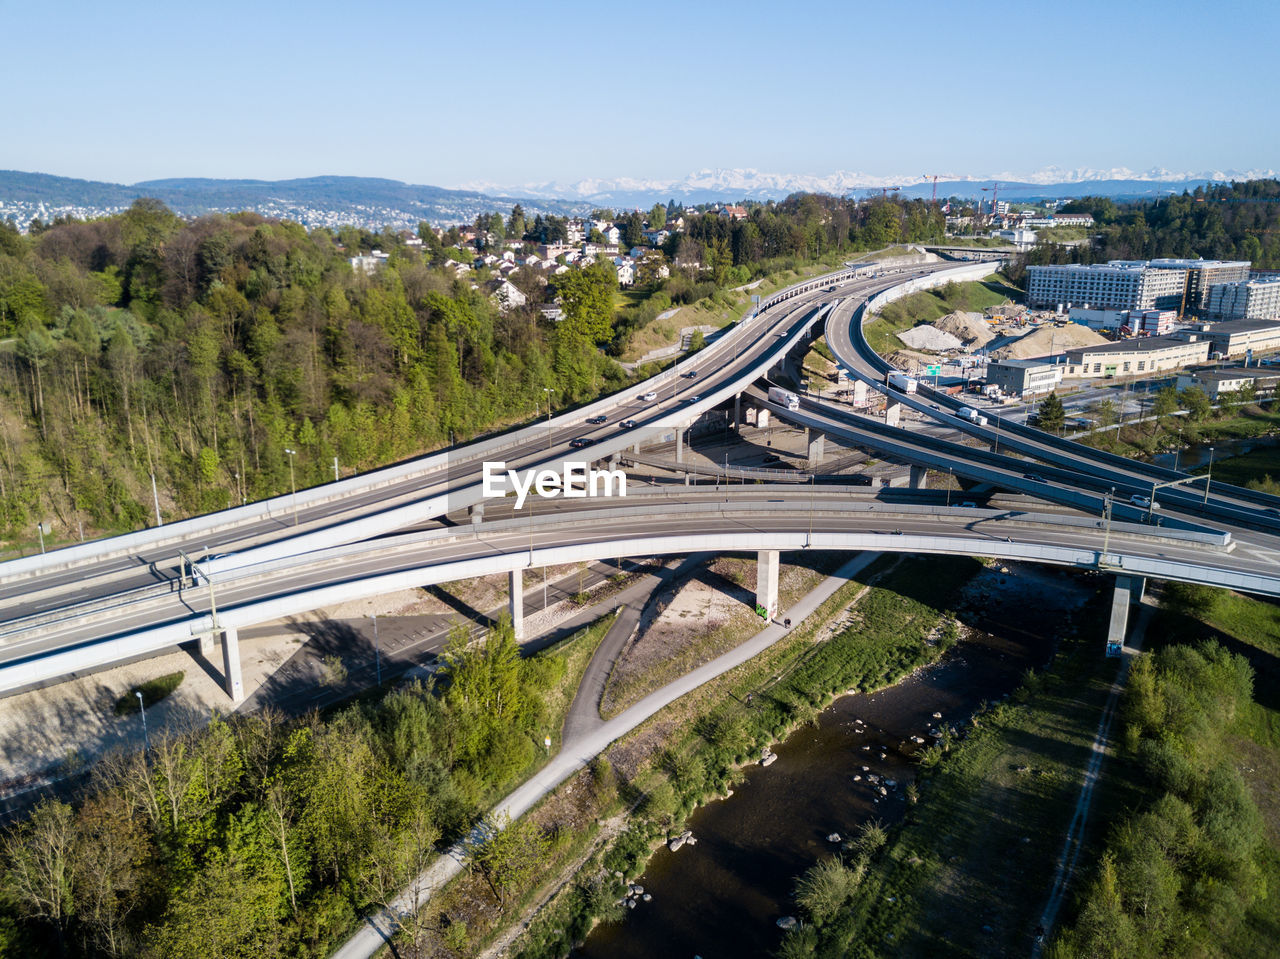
point(293, 485)
point(40, 530)
point(1208, 477)
point(146, 738)
point(1106, 535)
point(548, 390)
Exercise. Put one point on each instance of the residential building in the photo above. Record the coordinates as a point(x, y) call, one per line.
point(1257, 299)
point(368, 264)
point(1118, 285)
point(1203, 274)
point(1215, 382)
point(506, 294)
point(1138, 357)
point(1022, 239)
point(1024, 377)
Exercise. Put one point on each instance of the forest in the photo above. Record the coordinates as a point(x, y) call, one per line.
point(199, 351)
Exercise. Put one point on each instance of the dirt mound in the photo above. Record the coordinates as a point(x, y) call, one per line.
point(909, 361)
point(1050, 339)
point(970, 328)
point(930, 338)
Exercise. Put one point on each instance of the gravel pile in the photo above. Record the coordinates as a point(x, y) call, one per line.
point(1052, 339)
point(970, 328)
point(926, 337)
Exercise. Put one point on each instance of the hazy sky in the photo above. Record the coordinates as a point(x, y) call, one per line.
point(437, 93)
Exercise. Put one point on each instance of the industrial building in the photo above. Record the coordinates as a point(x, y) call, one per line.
point(1126, 322)
point(1118, 285)
point(1215, 382)
point(1203, 274)
point(1138, 357)
point(1238, 337)
point(1023, 377)
point(1244, 300)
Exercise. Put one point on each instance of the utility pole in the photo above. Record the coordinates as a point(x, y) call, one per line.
point(293, 485)
point(146, 738)
point(548, 390)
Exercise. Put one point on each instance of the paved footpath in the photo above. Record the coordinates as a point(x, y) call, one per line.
point(580, 750)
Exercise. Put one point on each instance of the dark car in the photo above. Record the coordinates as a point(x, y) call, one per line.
point(1034, 477)
point(691, 375)
point(628, 424)
point(579, 442)
point(597, 420)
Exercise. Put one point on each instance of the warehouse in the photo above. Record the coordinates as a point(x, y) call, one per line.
point(1139, 357)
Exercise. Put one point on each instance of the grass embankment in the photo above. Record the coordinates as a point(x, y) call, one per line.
point(629, 681)
point(882, 330)
point(969, 869)
point(1195, 868)
point(637, 310)
point(695, 748)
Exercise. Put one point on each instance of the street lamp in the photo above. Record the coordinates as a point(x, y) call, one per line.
point(1208, 477)
point(293, 485)
point(548, 390)
point(146, 739)
point(40, 530)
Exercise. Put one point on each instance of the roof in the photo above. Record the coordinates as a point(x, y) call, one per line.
point(1243, 326)
point(1235, 373)
point(1021, 364)
point(1143, 344)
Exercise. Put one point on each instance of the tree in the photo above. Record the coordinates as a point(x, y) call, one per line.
point(1051, 414)
point(510, 852)
point(657, 216)
point(587, 298)
point(1164, 403)
point(40, 861)
point(1196, 402)
point(515, 223)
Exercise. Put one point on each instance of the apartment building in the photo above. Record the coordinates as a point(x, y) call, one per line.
point(1118, 285)
point(1023, 377)
point(1246, 299)
point(1203, 274)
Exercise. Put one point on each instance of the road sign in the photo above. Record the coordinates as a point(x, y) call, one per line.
point(933, 370)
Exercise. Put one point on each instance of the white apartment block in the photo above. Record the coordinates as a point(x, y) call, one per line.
point(1118, 285)
point(1202, 274)
point(1244, 300)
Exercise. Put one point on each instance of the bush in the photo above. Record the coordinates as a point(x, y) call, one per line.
point(153, 690)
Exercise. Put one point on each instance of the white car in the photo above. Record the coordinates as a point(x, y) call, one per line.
point(649, 397)
point(1143, 501)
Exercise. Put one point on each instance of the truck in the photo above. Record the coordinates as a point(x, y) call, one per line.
point(900, 381)
point(973, 416)
point(784, 398)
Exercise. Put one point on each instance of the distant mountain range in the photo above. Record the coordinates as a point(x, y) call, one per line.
point(374, 203)
point(706, 186)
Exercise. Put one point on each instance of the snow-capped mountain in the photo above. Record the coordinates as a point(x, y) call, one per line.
point(711, 185)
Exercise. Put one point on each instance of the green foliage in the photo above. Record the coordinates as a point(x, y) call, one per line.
point(1183, 872)
point(153, 690)
point(828, 886)
point(510, 853)
point(1051, 414)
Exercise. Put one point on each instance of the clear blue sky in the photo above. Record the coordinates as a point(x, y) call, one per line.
point(437, 93)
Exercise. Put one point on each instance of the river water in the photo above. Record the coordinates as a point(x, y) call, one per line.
point(1197, 454)
point(722, 898)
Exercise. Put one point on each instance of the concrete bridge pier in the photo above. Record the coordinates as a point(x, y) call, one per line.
point(680, 442)
point(515, 602)
point(1128, 592)
point(817, 445)
point(919, 477)
point(737, 413)
point(892, 411)
point(476, 513)
point(767, 581)
point(206, 646)
point(231, 665)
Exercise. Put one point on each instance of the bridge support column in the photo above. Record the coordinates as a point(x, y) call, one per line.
point(515, 602)
point(206, 647)
point(231, 665)
point(477, 513)
point(737, 413)
point(817, 445)
point(767, 581)
point(892, 411)
point(919, 477)
point(679, 443)
point(1128, 592)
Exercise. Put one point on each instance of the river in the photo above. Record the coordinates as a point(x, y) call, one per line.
point(723, 897)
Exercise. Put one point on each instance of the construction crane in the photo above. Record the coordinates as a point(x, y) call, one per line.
point(934, 178)
point(995, 196)
point(886, 190)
